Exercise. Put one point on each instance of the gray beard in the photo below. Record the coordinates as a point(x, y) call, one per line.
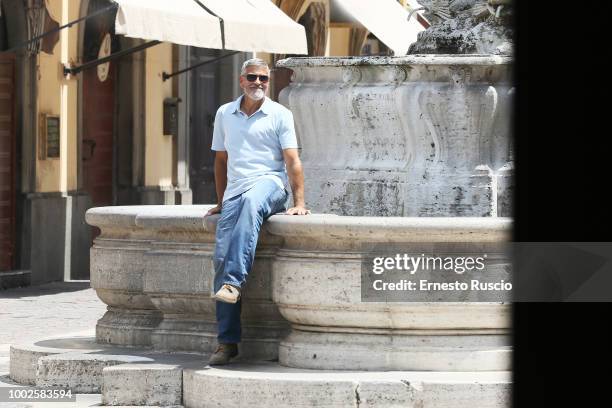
point(256, 95)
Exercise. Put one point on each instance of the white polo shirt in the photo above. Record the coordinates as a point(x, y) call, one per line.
point(254, 144)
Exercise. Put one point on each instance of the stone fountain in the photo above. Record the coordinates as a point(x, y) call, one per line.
point(427, 134)
point(410, 150)
point(417, 135)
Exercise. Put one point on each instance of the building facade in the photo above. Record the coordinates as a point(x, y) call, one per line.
point(96, 138)
point(115, 133)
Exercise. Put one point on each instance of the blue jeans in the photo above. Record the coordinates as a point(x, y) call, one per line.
point(236, 240)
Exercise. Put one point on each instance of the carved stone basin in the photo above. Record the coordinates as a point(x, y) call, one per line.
point(317, 285)
point(153, 266)
point(418, 135)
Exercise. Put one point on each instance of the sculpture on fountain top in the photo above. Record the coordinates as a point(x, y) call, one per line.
point(466, 27)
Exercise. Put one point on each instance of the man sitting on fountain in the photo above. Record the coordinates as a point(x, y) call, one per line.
point(256, 149)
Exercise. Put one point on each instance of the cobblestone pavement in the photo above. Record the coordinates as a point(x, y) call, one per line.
point(35, 312)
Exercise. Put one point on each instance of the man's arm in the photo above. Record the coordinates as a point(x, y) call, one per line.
point(296, 178)
point(220, 180)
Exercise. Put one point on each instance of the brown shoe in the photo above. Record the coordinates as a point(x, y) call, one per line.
point(223, 354)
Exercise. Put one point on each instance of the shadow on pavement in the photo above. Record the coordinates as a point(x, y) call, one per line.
point(51, 288)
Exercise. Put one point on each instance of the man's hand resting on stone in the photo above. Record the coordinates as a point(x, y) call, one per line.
point(298, 210)
point(214, 210)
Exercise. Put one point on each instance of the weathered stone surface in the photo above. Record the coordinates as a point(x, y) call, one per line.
point(311, 268)
point(23, 363)
point(80, 372)
point(246, 387)
point(142, 384)
point(381, 393)
point(24, 357)
point(459, 350)
point(154, 380)
point(317, 286)
point(466, 27)
point(153, 266)
point(80, 362)
point(420, 135)
point(125, 326)
point(461, 394)
point(117, 274)
point(265, 385)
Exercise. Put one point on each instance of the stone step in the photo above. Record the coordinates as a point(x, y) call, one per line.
point(81, 372)
point(140, 377)
point(142, 384)
point(126, 406)
point(269, 384)
point(133, 376)
point(24, 357)
point(82, 400)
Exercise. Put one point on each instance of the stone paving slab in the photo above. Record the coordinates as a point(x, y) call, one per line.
point(82, 400)
point(60, 309)
point(31, 313)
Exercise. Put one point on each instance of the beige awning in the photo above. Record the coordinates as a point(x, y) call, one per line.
point(248, 25)
point(387, 20)
point(177, 21)
point(258, 25)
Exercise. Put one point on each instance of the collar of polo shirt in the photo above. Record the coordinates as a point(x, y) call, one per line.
point(264, 108)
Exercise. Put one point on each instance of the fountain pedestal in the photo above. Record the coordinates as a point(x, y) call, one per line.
point(153, 266)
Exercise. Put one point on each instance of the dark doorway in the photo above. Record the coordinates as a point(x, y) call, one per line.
point(204, 105)
point(7, 161)
point(98, 106)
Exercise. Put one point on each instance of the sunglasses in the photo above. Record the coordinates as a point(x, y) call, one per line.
point(253, 77)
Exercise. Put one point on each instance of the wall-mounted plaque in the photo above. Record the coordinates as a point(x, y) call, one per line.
point(49, 137)
point(171, 116)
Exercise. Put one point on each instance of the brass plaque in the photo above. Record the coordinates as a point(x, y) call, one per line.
point(50, 137)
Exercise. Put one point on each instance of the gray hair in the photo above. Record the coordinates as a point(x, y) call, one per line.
point(253, 62)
